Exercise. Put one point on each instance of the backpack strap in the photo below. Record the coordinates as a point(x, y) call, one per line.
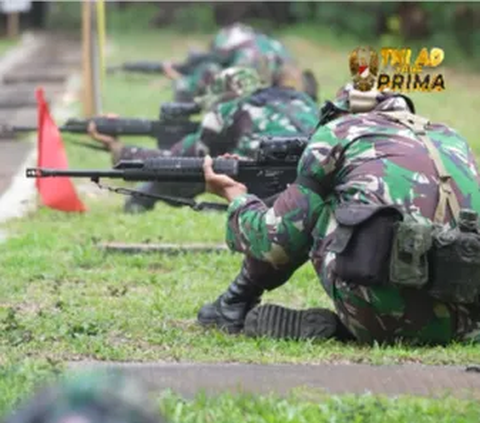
point(447, 197)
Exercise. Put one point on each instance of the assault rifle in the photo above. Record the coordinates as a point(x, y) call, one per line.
point(173, 124)
point(266, 175)
point(194, 59)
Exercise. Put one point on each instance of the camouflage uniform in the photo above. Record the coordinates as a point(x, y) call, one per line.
point(237, 112)
point(91, 397)
point(385, 164)
point(236, 45)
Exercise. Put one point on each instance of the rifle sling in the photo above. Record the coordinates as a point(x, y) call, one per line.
point(447, 197)
point(175, 201)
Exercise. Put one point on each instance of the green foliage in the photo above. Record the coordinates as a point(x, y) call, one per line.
point(195, 18)
point(379, 23)
point(18, 381)
point(130, 19)
point(65, 15)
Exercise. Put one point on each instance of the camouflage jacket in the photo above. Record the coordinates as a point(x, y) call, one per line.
point(231, 126)
point(251, 53)
point(383, 163)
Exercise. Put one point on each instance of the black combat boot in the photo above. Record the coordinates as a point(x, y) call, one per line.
point(279, 322)
point(229, 309)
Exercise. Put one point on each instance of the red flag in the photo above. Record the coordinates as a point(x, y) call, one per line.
point(56, 193)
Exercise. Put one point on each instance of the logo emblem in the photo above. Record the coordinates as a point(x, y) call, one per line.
point(364, 68)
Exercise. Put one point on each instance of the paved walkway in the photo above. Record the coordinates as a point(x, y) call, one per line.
point(187, 379)
point(31, 64)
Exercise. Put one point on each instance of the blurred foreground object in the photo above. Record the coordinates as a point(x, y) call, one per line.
point(90, 397)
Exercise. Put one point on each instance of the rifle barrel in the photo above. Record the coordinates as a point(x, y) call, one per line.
point(23, 128)
point(36, 172)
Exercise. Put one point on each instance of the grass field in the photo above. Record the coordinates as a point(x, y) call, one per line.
point(62, 299)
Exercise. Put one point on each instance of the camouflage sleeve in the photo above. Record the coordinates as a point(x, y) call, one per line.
point(283, 233)
point(279, 234)
point(212, 126)
point(218, 128)
point(321, 157)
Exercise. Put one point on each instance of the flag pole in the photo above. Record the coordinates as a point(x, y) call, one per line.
point(86, 55)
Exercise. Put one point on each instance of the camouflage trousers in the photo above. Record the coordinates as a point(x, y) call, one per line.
point(379, 314)
point(390, 313)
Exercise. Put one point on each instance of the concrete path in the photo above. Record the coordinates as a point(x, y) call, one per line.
point(188, 379)
point(18, 79)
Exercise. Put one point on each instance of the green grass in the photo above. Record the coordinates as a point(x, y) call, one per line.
point(359, 409)
point(62, 299)
point(19, 381)
point(6, 44)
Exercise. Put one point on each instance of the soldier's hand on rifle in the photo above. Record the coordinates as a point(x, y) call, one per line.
point(107, 140)
point(170, 72)
point(221, 185)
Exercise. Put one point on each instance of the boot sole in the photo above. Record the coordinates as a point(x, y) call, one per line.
point(283, 323)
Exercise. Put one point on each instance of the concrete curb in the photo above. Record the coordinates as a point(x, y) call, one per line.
point(190, 379)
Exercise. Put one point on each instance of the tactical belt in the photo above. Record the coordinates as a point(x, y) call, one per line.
point(447, 197)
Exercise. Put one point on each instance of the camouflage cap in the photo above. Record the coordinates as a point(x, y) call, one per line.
point(231, 83)
point(350, 100)
point(232, 36)
point(378, 100)
point(92, 397)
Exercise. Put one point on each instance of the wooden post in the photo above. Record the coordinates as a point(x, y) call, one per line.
point(95, 61)
point(13, 24)
point(88, 104)
point(93, 30)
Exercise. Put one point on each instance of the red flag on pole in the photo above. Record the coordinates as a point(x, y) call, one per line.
point(56, 193)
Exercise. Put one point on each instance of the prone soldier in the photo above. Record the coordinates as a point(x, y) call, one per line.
point(235, 45)
point(240, 45)
point(385, 206)
point(238, 107)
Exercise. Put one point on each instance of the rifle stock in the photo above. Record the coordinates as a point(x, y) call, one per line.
point(274, 168)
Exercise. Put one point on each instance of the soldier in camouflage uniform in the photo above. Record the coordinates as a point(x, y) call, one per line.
point(238, 109)
point(92, 397)
point(239, 46)
point(360, 159)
